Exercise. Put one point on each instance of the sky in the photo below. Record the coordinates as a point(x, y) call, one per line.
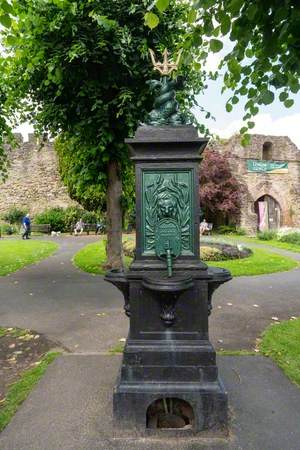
point(273, 119)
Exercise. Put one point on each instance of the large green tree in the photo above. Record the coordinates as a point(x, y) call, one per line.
point(79, 68)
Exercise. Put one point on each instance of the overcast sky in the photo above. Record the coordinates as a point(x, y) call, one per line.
point(273, 119)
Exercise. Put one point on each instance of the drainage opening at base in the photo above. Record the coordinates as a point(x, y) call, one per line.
point(170, 413)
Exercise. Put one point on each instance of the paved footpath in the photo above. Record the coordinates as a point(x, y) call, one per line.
point(84, 313)
point(77, 389)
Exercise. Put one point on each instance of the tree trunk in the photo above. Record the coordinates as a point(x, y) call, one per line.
point(114, 217)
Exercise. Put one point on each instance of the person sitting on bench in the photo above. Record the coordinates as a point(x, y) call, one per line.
point(79, 227)
point(204, 227)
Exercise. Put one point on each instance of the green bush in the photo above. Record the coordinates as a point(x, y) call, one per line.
point(267, 235)
point(226, 229)
point(14, 215)
point(8, 229)
point(240, 231)
point(90, 217)
point(54, 216)
point(63, 219)
point(72, 215)
point(291, 238)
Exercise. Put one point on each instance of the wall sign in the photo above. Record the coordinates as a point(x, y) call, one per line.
point(254, 165)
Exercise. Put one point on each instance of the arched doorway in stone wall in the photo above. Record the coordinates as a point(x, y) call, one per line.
point(268, 212)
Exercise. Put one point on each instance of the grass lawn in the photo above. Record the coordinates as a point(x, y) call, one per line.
point(18, 391)
point(92, 257)
point(15, 254)
point(272, 243)
point(282, 343)
point(261, 262)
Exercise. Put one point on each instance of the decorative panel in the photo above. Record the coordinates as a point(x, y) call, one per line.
point(167, 194)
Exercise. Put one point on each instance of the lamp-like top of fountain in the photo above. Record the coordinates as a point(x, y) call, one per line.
point(160, 281)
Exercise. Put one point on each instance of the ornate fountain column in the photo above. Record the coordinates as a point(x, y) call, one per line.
point(168, 377)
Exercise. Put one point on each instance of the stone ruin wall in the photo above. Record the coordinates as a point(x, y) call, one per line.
point(285, 188)
point(33, 181)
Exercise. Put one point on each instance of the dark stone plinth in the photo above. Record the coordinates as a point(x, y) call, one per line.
point(168, 353)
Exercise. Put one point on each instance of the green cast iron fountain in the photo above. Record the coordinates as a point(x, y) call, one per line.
point(168, 377)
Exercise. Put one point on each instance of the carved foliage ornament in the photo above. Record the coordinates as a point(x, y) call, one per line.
point(167, 200)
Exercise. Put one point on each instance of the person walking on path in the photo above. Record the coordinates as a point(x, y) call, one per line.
point(26, 227)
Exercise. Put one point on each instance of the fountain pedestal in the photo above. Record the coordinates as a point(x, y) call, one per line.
point(169, 377)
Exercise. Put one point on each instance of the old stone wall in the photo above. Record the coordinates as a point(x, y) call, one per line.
point(284, 188)
point(33, 180)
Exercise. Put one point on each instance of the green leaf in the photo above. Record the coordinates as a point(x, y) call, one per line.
point(6, 7)
point(228, 107)
point(267, 97)
point(252, 92)
point(254, 110)
point(215, 45)
point(11, 40)
point(252, 10)
point(225, 24)
point(234, 67)
point(162, 5)
point(235, 6)
point(151, 20)
point(251, 125)
point(289, 103)
point(243, 130)
point(192, 16)
point(235, 99)
point(245, 139)
point(5, 20)
point(283, 96)
point(249, 53)
point(103, 21)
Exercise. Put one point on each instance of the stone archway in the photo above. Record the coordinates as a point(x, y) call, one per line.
point(269, 214)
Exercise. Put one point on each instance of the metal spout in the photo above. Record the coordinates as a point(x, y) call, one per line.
point(169, 263)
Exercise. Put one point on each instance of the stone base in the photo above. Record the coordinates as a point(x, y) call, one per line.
point(197, 407)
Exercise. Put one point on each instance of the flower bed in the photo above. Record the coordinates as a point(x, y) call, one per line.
point(211, 251)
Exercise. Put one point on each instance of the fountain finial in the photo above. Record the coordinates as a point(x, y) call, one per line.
point(166, 109)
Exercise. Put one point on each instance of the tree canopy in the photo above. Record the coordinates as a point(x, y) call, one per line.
point(85, 176)
point(79, 69)
point(265, 57)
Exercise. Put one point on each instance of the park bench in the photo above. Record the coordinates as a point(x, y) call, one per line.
point(41, 228)
point(87, 227)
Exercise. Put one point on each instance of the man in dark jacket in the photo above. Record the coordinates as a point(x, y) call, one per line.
point(26, 226)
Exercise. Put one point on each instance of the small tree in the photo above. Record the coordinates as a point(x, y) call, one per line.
point(220, 191)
